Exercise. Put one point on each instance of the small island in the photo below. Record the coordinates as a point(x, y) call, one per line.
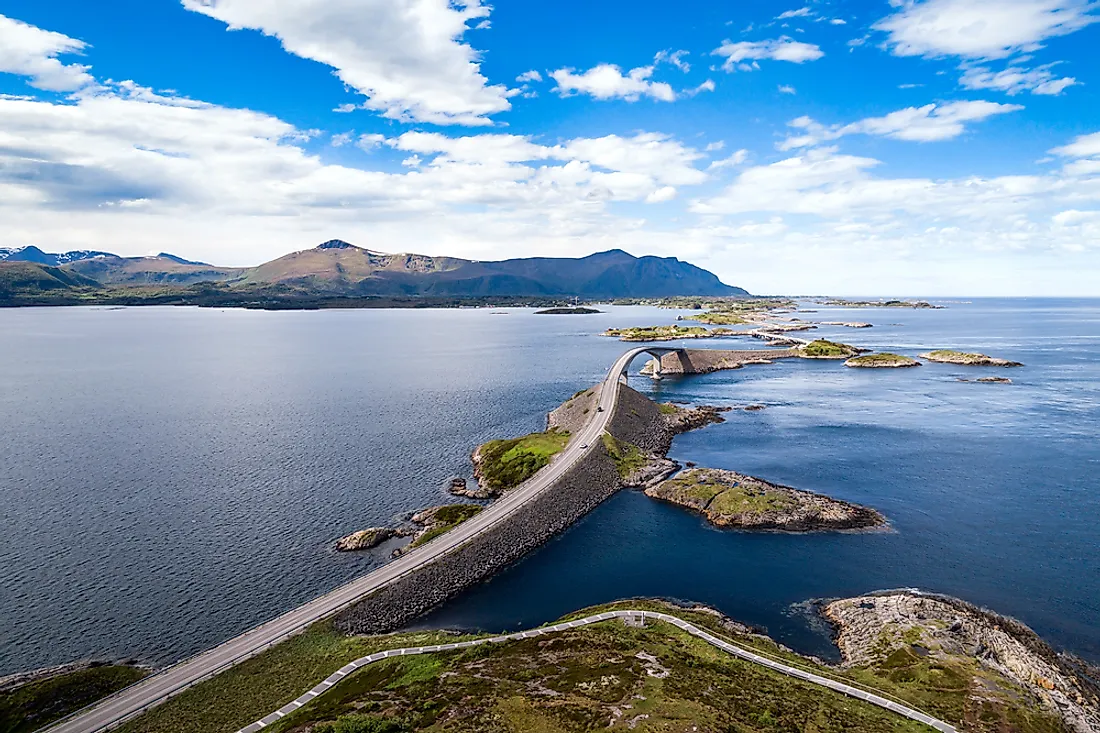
point(573, 311)
point(884, 360)
point(668, 333)
point(822, 349)
point(842, 303)
point(948, 356)
point(729, 499)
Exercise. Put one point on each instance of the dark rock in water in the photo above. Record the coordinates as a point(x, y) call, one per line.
point(754, 408)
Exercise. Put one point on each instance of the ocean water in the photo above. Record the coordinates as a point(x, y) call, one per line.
point(170, 477)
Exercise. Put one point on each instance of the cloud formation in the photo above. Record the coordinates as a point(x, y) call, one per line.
point(32, 52)
point(929, 123)
point(981, 29)
point(407, 57)
point(607, 81)
point(1017, 79)
point(738, 55)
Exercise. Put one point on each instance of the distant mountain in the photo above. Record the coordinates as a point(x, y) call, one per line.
point(37, 256)
point(22, 278)
point(340, 268)
point(163, 269)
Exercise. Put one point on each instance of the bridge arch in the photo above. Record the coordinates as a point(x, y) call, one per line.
point(657, 352)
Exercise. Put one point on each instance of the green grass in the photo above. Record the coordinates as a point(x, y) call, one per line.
point(884, 358)
point(627, 456)
point(749, 499)
point(447, 518)
point(667, 409)
point(719, 318)
point(268, 681)
point(658, 333)
point(508, 463)
point(822, 348)
point(32, 706)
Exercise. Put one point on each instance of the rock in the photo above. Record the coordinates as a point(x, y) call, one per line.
point(460, 487)
point(994, 380)
point(691, 418)
point(365, 539)
point(655, 470)
point(754, 408)
point(952, 633)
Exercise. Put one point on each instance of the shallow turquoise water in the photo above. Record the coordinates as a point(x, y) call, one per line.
point(170, 477)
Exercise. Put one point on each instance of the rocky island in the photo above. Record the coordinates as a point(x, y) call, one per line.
point(822, 349)
point(366, 539)
point(884, 360)
point(733, 500)
point(948, 356)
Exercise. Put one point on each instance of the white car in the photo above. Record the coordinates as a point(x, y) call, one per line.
point(584, 446)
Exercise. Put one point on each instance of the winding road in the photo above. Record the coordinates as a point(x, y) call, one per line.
point(114, 710)
point(737, 651)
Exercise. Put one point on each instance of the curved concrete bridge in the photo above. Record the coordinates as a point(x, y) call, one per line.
point(152, 691)
point(894, 706)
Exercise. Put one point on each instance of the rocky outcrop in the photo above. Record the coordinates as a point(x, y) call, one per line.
point(461, 487)
point(682, 419)
point(946, 356)
point(365, 539)
point(872, 628)
point(733, 500)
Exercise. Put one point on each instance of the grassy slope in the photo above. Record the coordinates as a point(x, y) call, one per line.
point(32, 706)
point(627, 456)
point(508, 463)
point(447, 517)
point(591, 670)
point(883, 358)
point(823, 348)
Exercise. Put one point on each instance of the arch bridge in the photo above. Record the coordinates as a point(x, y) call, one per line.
point(657, 352)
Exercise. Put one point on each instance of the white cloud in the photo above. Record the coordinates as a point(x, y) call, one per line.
point(32, 52)
point(707, 86)
point(341, 139)
point(1016, 79)
point(787, 89)
point(1084, 146)
point(838, 21)
point(606, 81)
point(661, 195)
point(800, 13)
point(780, 49)
point(711, 147)
point(1086, 149)
point(981, 29)
point(731, 162)
point(406, 56)
point(929, 123)
point(529, 76)
point(676, 58)
point(370, 141)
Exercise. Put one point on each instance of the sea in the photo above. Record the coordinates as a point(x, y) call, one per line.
point(170, 477)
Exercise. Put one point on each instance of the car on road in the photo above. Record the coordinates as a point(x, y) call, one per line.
point(584, 446)
point(599, 409)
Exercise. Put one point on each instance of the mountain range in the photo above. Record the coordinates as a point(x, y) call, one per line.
point(338, 269)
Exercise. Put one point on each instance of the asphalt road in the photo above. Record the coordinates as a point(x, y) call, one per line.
point(136, 699)
point(843, 688)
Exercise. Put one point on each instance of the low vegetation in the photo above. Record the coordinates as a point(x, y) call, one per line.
point(445, 518)
point(883, 360)
point(503, 464)
point(627, 456)
point(822, 349)
point(659, 333)
point(719, 318)
point(37, 704)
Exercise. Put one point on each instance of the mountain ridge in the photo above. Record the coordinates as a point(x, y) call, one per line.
point(336, 268)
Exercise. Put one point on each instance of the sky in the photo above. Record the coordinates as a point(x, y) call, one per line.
point(858, 147)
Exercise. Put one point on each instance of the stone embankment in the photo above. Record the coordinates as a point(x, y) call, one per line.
point(951, 632)
point(637, 421)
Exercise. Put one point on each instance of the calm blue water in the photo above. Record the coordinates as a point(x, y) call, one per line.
point(170, 477)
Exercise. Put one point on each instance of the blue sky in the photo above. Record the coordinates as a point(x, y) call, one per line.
point(932, 147)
